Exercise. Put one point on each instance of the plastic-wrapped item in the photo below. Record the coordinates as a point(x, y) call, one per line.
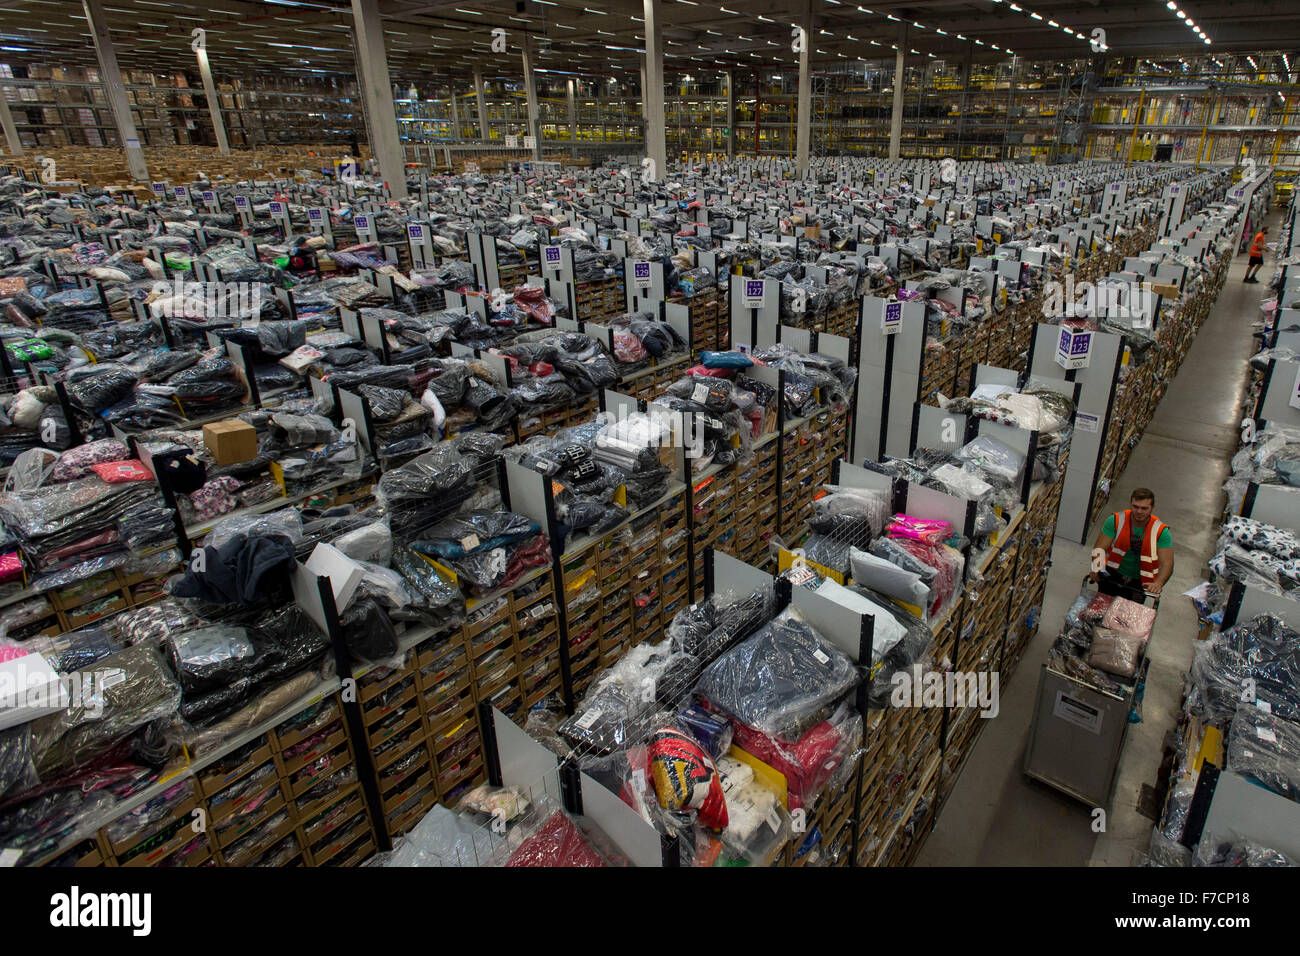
point(926, 530)
point(889, 579)
point(948, 564)
point(558, 843)
point(1115, 652)
point(368, 631)
point(212, 655)
point(287, 522)
point(97, 387)
point(443, 838)
point(79, 462)
point(133, 688)
point(1129, 617)
point(779, 679)
point(807, 760)
point(244, 569)
point(1266, 749)
point(372, 542)
point(995, 457)
point(505, 803)
point(685, 778)
point(1233, 849)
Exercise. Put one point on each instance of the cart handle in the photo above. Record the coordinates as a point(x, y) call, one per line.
point(1146, 595)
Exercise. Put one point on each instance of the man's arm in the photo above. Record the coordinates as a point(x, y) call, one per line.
point(1102, 544)
point(1166, 556)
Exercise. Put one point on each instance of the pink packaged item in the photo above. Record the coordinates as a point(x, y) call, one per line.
point(920, 529)
point(1129, 617)
point(11, 567)
point(117, 471)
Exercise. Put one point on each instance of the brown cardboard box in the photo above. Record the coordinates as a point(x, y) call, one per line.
point(1163, 289)
point(231, 441)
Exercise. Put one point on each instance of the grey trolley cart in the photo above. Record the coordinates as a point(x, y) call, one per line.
point(1078, 730)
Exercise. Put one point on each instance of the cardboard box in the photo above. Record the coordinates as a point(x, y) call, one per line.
point(1164, 289)
point(231, 441)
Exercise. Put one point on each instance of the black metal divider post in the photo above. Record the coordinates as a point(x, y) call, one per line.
point(352, 715)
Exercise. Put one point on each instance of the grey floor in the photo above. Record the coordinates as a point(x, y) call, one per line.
point(998, 817)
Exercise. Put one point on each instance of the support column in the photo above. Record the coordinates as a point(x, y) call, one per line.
point(386, 142)
point(803, 139)
point(214, 102)
point(896, 115)
point(644, 87)
point(455, 116)
point(115, 90)
point(730, 77)
point(482, 106)
point(652, 95)
point(12, 139)
point(530, 84)
point(573, 111)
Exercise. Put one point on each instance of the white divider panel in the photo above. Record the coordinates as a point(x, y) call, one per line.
point(523, 760)
point(1241, 807)
point(836, 346)
point(1094, 404)
point(307, 595)
point(679, 317)
point(733, 575)
point(921, 502)
point(617, 403)
point(838, 623)
point(1256, 601)
point(855, 476)
point(992, 375)
point(754, 328)
point(1283, 386)
point(889, 380)
point(933, 424)
point(460, 350)
point(1277, 505)
point(796, 338)
point(499, 365)
point(320, 390)
point(636, 839)
point(352, 406)
point(527, 493)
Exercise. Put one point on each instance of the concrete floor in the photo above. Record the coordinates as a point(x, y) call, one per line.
point(998, 817)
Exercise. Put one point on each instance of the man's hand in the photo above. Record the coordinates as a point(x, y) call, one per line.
point(1155, 589)
point(1092, 576)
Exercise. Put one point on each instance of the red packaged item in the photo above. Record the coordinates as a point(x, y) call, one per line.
point(806, 763)
point(685, 778)
point(116, 471)
point(1097, 608)
point(557, 843)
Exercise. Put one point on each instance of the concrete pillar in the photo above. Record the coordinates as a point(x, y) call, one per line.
point(12, 139)
point(482, 106)
point(896, 116)
point(530, 85)
point(115, 91)
point(731, 113)
point(653, 93)
point(573, 111)
point(386, 142)
point(803, 138)
point(214, 102)
point(644, 86)
point(455, 116)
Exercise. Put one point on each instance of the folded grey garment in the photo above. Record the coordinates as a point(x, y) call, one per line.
point(893, 553)
point(888, 579)
point(1288, 470)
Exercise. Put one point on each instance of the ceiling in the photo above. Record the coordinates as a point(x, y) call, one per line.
point(312, 38)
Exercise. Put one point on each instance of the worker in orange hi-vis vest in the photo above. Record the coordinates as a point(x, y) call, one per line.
point(1134, 554)
point(1256, 255)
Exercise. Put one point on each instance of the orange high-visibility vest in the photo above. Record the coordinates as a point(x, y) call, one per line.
point(1257, 245)
point(1149, 560)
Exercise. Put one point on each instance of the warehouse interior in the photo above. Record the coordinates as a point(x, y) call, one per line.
point(583, 433)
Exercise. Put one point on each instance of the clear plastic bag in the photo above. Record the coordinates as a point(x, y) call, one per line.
point(778, 680)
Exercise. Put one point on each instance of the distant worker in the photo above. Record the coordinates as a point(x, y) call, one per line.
point(1137, 549)
point(1256, 255)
